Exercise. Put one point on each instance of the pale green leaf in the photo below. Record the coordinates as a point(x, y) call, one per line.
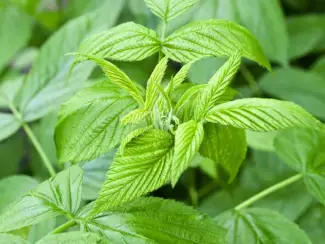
point(12, 239)
point(262, 141)
point(143, 166)
point(14, 187)
point(9, 90)
point(227, 147)
point(169, 9)
point(41, 229)
point(258, 225)
point(94, 175)
point(306, 34)
point(213, 38)
point(56, 196)
point(89, 123)
point(48, 79)
point(153, 220)
point(265, 19)
point(9, 124)
point(258, 114)
point(188, 139)
point(303, 151)
point(117, 77)
point(126, 42)
point(302, 87)
point(154, 83)
point(15, 31)
point(71, 238)
point(25, 58)
point(182, 74)
point(217, 85)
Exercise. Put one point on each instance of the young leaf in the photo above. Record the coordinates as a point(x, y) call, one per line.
point(258, 114)
point(169, 9)
point(258, 225)
point(126, 42)
point(212, 38)
point(268, 22)
point(217, 85)
point(58, 195)
point(9, 124)
point(154, 83)
point(135, 116)
point(89, 123)
point(226, 146)
point(12, 239)
point(13, 23)
point(303, 151)
point(180, 76)
point(71, 237)
point(154, 220)
point(14, 187)
point(299, 86)
point(143, 166)
point(117, 77)
point(188, 139)
point(47, 81)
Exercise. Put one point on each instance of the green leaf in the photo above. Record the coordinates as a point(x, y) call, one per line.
point(9, 124)
point(265, 20)
point(201, 39)
point(14, 187)
point(13, 23)
point(217, 85)
point(258, 114)
point(143, 166)
point(89, 123)
point(56, 196)
point(169, 9)
point(135, 116)
point(9, 90)
point(42, 229)
point(12, 239)
point(312, 223)
point(303, 151)
point(306, 34)
point(226, 146)
point(126, 42)
point(154, 220)
point(188, 139)
point(258, 225)
point(154, 83)
point(71, 238)
point(319, 66)
point(302, 87)
point(47, 81)
point(117, 77)
point(94, 175)
point(262, 141)
point(181, 75)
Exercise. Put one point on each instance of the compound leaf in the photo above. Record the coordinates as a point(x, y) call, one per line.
point(212, 38)
point(89, 123)
point(258, 114)
point(56, 196)
point(142, 166)
point(188, 139)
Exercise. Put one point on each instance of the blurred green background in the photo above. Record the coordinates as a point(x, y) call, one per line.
point(292, 33)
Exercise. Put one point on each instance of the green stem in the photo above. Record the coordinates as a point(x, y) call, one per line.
point(192, 189)
point(34, 140)
point(250, 79)
point(268, 191)
point(63, 227)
